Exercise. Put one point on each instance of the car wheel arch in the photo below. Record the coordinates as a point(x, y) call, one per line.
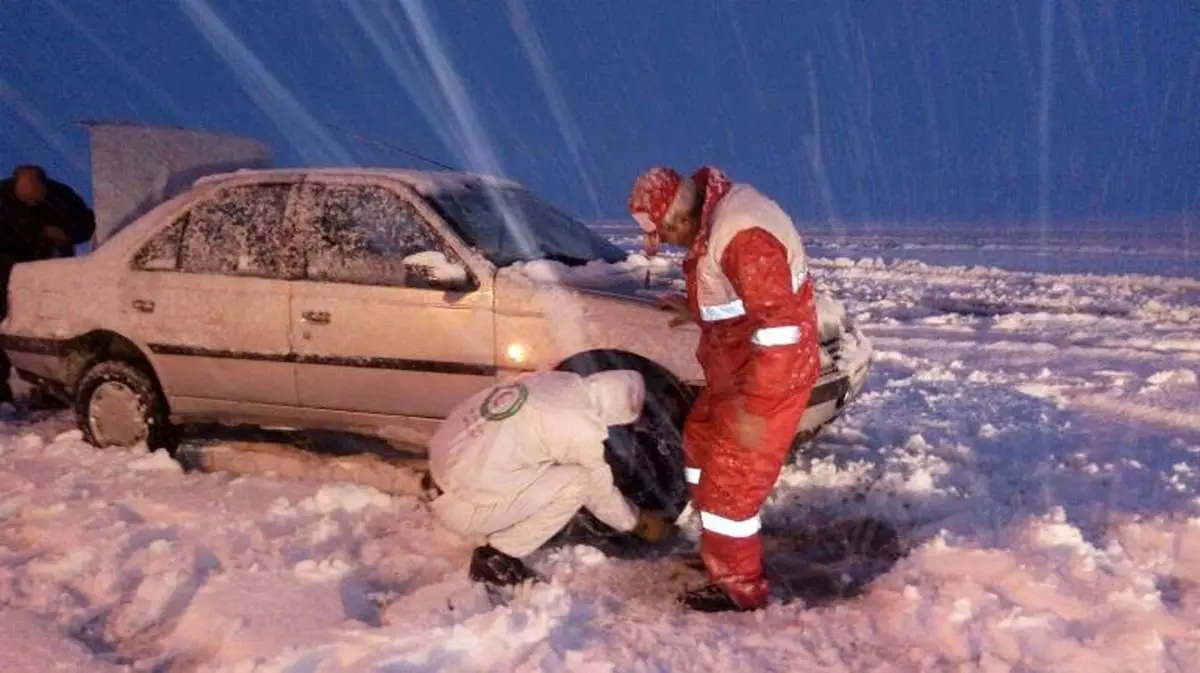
point(101, 344)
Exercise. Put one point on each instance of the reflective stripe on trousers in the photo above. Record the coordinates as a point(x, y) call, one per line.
point(718, 524)
point(714, 523)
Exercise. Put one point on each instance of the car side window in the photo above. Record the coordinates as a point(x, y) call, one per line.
point(241, 231)
point(161, 253)
point(370, 235)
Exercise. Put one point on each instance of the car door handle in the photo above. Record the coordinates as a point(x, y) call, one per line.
point(319, 317)
point(143, 305)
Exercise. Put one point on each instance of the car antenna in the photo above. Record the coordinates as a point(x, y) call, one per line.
point(387, 146)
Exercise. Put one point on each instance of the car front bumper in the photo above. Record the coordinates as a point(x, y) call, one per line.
point(839, 383)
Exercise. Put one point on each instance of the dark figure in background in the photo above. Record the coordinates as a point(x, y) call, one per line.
point(40, 218)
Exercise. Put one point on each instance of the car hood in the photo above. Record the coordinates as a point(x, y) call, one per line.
point(632, 286)
point(626, 291)
point(559, 319)
point(568, 311)
point(831, 314)
point(613, 287)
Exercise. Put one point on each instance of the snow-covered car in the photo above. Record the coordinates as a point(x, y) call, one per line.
point(370, 301)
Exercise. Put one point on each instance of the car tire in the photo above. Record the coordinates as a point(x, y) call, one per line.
point(118, 404)
point(647, 456)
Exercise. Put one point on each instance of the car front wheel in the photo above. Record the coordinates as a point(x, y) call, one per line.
point(118, 404)
point(646, 457)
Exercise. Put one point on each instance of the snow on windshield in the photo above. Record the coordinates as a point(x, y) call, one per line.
point(596, 273)
point(498, 221)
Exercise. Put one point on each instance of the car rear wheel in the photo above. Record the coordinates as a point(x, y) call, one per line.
point(646, 457)
point(119, 404)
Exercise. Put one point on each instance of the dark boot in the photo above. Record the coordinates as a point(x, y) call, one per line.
point(711, 598)
point(492, 566)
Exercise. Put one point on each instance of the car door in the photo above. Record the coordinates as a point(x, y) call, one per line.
point(209, 296)
point(388, 318)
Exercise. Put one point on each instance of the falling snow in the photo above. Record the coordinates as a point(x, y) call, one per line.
point(1002, 194)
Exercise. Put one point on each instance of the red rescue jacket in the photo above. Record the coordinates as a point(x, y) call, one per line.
point(748, 285)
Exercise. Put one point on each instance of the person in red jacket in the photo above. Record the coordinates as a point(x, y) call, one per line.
point(749, 289)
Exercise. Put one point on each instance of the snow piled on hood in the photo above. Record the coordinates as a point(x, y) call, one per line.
point(596, 273)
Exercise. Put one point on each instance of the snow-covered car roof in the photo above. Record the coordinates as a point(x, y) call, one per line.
point(137, 166)
point(427, 183)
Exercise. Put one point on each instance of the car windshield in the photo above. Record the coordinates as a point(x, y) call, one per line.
point(497, 221)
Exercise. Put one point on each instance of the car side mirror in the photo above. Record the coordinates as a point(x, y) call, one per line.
point(431, 275)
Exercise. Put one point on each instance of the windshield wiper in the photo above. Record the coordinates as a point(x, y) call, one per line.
point(569, 260)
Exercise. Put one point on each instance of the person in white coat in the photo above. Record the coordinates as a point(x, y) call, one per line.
point(511, 466)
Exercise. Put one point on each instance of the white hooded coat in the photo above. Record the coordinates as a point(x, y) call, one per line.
point(517, 461)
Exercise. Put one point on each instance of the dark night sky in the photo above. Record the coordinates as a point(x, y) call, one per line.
point(872, 109)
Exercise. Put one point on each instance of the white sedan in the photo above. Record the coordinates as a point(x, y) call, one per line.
point(369, 301)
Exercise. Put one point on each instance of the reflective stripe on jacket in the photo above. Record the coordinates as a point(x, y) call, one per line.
point(749, 285)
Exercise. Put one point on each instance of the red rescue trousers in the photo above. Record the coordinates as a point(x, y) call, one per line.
point(730, 482)
point(733, 483)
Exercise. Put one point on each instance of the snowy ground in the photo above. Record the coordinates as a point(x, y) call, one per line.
point(1036, 437)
